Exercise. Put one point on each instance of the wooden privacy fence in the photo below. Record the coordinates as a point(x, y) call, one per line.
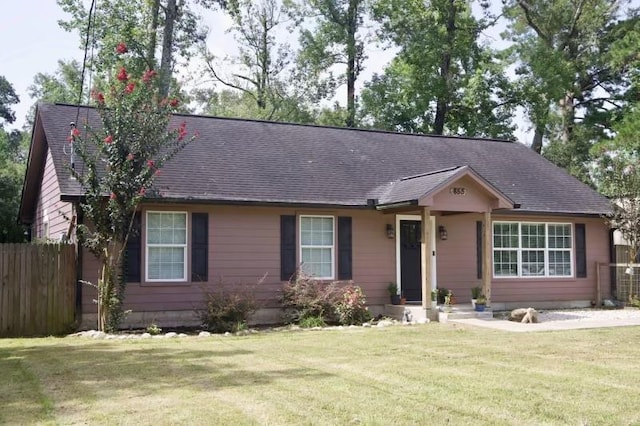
point(37, 289)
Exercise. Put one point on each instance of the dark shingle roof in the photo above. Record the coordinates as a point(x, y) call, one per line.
point(256, 161)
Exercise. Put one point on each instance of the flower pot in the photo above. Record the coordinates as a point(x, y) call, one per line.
point(473, 303)
point(480, 307)
point(403, 300)
point(395, 299)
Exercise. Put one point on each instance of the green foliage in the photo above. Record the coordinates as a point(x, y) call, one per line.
point(392, 288)
point(442, 80)
point(132, 144)
point(442, 293)
point(303, 296)
point(335, 38)
point(153, 329)
point(312, 322)
point(476, 292)
point(8, 97)
point(227, 310)
point(352, 309)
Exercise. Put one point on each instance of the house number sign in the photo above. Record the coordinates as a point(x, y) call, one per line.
point(458, 190)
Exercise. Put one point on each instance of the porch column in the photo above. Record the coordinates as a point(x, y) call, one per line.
point(425, 258)
point(487, 255)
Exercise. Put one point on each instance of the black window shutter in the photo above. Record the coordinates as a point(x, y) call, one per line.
point(479, 249)
point(199, 247)
point(287, 247)
point(581, 251)
point(133, 257)
point(344, 248)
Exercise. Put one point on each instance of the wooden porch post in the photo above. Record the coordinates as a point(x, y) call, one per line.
point(487, 255)
point(425, 258)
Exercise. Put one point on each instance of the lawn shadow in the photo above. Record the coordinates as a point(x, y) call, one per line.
point(71, 373)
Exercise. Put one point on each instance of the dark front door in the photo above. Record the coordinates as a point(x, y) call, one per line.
point(410, 254)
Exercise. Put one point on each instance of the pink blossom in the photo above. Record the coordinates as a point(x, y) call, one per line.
point(75, 132)
point(121, 48)
point(151, 164)
point(148, 75)
point(130, 87)
point(174, 102)
point(113, 196)
point(108, 139)
point(122, 75)
point(130, 157)
point(142, 191)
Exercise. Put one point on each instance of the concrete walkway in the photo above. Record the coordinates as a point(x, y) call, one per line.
point(597, 321)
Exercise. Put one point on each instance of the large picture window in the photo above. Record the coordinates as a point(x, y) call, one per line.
point(166, 243)
point(532, 249)
point(317, 246)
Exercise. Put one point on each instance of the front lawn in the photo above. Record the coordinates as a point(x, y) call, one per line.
point(430, 374)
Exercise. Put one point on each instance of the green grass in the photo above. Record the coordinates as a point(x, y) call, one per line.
point(431, 374)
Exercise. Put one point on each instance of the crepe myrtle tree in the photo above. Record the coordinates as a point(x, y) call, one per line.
point(121, 159)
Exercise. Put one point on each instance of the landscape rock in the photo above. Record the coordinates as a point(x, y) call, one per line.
point(171, 334)
point(524, 315)
point(204, 334)
point(145, 336)
point(367, 325)
point(182, 335)
point(609, 303)
point(423, 321)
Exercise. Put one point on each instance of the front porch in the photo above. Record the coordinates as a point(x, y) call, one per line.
point(418, 313)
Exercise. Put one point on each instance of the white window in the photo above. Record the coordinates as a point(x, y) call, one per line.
point(317, 245)
point(166, 246)
point(532, 249)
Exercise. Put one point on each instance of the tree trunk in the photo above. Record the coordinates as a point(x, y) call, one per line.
point(567, 109)
point(352, 27)
point(171, 13)
point(442, 102)
point(154, 7)
point(536, 144)
point(263, 62)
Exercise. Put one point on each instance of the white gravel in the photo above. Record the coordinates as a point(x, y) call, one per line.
point(588, 314)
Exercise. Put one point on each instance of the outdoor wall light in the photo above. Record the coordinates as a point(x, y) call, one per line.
point(391, 233)
point(443, 232)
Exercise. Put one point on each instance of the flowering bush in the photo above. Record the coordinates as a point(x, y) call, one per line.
point(352, 309)
point(304, 296)
point(120, 159)
point(227, 311)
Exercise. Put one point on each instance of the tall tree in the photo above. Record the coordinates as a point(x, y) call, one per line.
point(12, 161)
point(335, 39)
point(146, 26)
point(261, 67)
point(562, 49)
point(8, 97)
point(442, 79)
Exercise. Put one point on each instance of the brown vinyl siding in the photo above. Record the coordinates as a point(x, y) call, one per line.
point(48, 203)
point(456, 263)
point(244, 245)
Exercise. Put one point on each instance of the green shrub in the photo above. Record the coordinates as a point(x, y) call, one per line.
point(311, 322)
point(352, 309)
point(304, 297)
point(227, 310)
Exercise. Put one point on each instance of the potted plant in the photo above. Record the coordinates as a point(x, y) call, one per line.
point(448, 302)
point(442, 293)
point(481, 303)
point(403, 299)
point(475, 293)
point(392, 288)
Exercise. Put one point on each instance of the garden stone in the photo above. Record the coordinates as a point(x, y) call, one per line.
point(110, 337)
point(226, 333)
point(385, 323)
point(204, 334)
point(367, 325)
point(423, 321)
point(182, 335)
point(609, 303)
point(524, 315)
point(145, 336)
point(99, 335)
point(171, 334)
point(122, 337)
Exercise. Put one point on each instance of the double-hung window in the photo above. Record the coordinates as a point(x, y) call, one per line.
point(166, 243)
point(532, 249)
point(317, 246)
